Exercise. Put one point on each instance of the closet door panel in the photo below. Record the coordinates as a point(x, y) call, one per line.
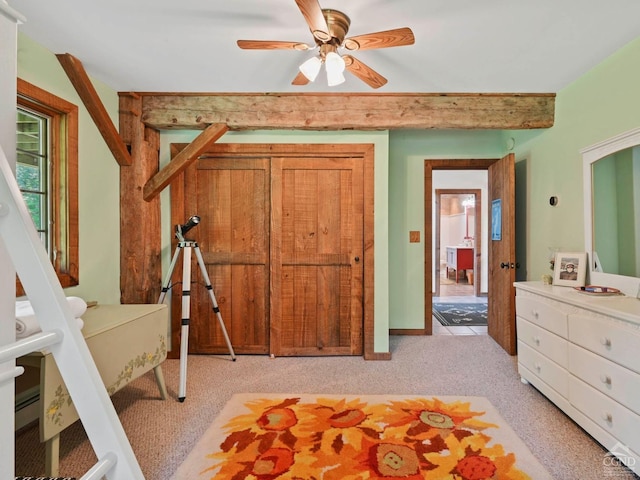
point(231, 196)
point(316, 251)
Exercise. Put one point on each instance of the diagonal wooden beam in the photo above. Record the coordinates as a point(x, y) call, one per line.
point(81, 82)
point(181, 161)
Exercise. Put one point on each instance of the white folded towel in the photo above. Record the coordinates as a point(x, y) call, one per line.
point(27, 323)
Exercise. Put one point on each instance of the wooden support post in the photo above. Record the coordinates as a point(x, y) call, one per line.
point(140, 229)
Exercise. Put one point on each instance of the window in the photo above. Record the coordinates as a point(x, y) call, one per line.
point(32, 169)
point(47, 173)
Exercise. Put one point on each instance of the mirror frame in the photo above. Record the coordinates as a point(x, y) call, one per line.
point(590, 155)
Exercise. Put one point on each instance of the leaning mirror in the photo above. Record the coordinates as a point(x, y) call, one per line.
point(612, 206)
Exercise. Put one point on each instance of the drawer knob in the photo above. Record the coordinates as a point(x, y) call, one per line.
point(535, 314)
point(536, 340)
point(606, 379)
point(607, 417)
point(605, 341)
point(537, 366)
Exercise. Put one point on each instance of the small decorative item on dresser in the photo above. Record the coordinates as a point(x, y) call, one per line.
point(552, 256)
point(570, 269)
point(598, 290)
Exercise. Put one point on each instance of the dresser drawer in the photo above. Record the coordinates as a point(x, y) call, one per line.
point(541, 313)
point(615, 381)
point(543, 341)
point(612, 417)
point(549, 372)
point(606, 338)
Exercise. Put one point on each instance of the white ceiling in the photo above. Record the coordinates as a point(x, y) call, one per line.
point(533, 46)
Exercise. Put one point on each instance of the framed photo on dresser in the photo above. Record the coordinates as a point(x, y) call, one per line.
point(570, 269)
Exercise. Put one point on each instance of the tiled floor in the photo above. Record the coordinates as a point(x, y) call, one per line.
point(460, 292)
point(442, 330)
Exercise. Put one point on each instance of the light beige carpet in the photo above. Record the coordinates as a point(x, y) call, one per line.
point(343, 437)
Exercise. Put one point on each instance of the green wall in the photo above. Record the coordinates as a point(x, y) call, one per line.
point(408, 150)
point(98, 177)
point(601, 104)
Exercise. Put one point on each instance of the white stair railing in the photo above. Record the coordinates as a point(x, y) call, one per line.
point(61, 334)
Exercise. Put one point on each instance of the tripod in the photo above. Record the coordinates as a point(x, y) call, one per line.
point(187, 246)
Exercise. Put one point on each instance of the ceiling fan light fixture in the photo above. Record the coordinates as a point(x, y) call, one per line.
point(311, 68)
point(334, 64)
point(334, 78)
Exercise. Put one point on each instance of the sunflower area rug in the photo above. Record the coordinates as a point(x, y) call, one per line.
point(376, 437)
point(461, 314)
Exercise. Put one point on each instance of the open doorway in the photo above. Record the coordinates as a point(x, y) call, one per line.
point(458, 242)
point(458, 307)
point(456, 246)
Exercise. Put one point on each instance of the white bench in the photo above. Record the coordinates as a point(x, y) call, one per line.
point(125, 341)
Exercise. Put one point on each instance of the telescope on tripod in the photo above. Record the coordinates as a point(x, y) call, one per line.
point(193, 221)
point(186, 246)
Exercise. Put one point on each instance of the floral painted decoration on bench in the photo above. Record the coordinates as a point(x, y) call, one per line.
point(63, 399)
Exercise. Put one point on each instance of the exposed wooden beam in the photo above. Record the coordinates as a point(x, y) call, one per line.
point(196, 148)
point(81, 82)
point(366, 111)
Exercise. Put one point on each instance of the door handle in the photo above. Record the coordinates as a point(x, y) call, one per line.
point(509, 265)
point(357, 259)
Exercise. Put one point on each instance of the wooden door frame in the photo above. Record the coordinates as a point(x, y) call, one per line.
point(429, 167)
point(359, 150)
point(477, 246)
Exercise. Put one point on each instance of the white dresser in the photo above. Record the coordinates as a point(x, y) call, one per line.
point(583, 353)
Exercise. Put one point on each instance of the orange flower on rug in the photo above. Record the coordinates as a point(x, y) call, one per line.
point(359, 437)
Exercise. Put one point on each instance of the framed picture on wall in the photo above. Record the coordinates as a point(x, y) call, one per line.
point(570, 269)
point(496, 219)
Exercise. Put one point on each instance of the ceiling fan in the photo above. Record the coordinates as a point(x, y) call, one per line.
point(329, 29)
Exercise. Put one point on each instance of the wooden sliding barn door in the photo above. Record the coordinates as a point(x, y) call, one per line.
point(232, 198)
point(316, 256)
point(283, 232)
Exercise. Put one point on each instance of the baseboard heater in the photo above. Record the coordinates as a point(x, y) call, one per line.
point(27, 407)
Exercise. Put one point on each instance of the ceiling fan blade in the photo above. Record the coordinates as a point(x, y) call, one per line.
point(312, 13)
point(300, 79)
point(271, 45)
point(389, 38)
point(363, 72)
